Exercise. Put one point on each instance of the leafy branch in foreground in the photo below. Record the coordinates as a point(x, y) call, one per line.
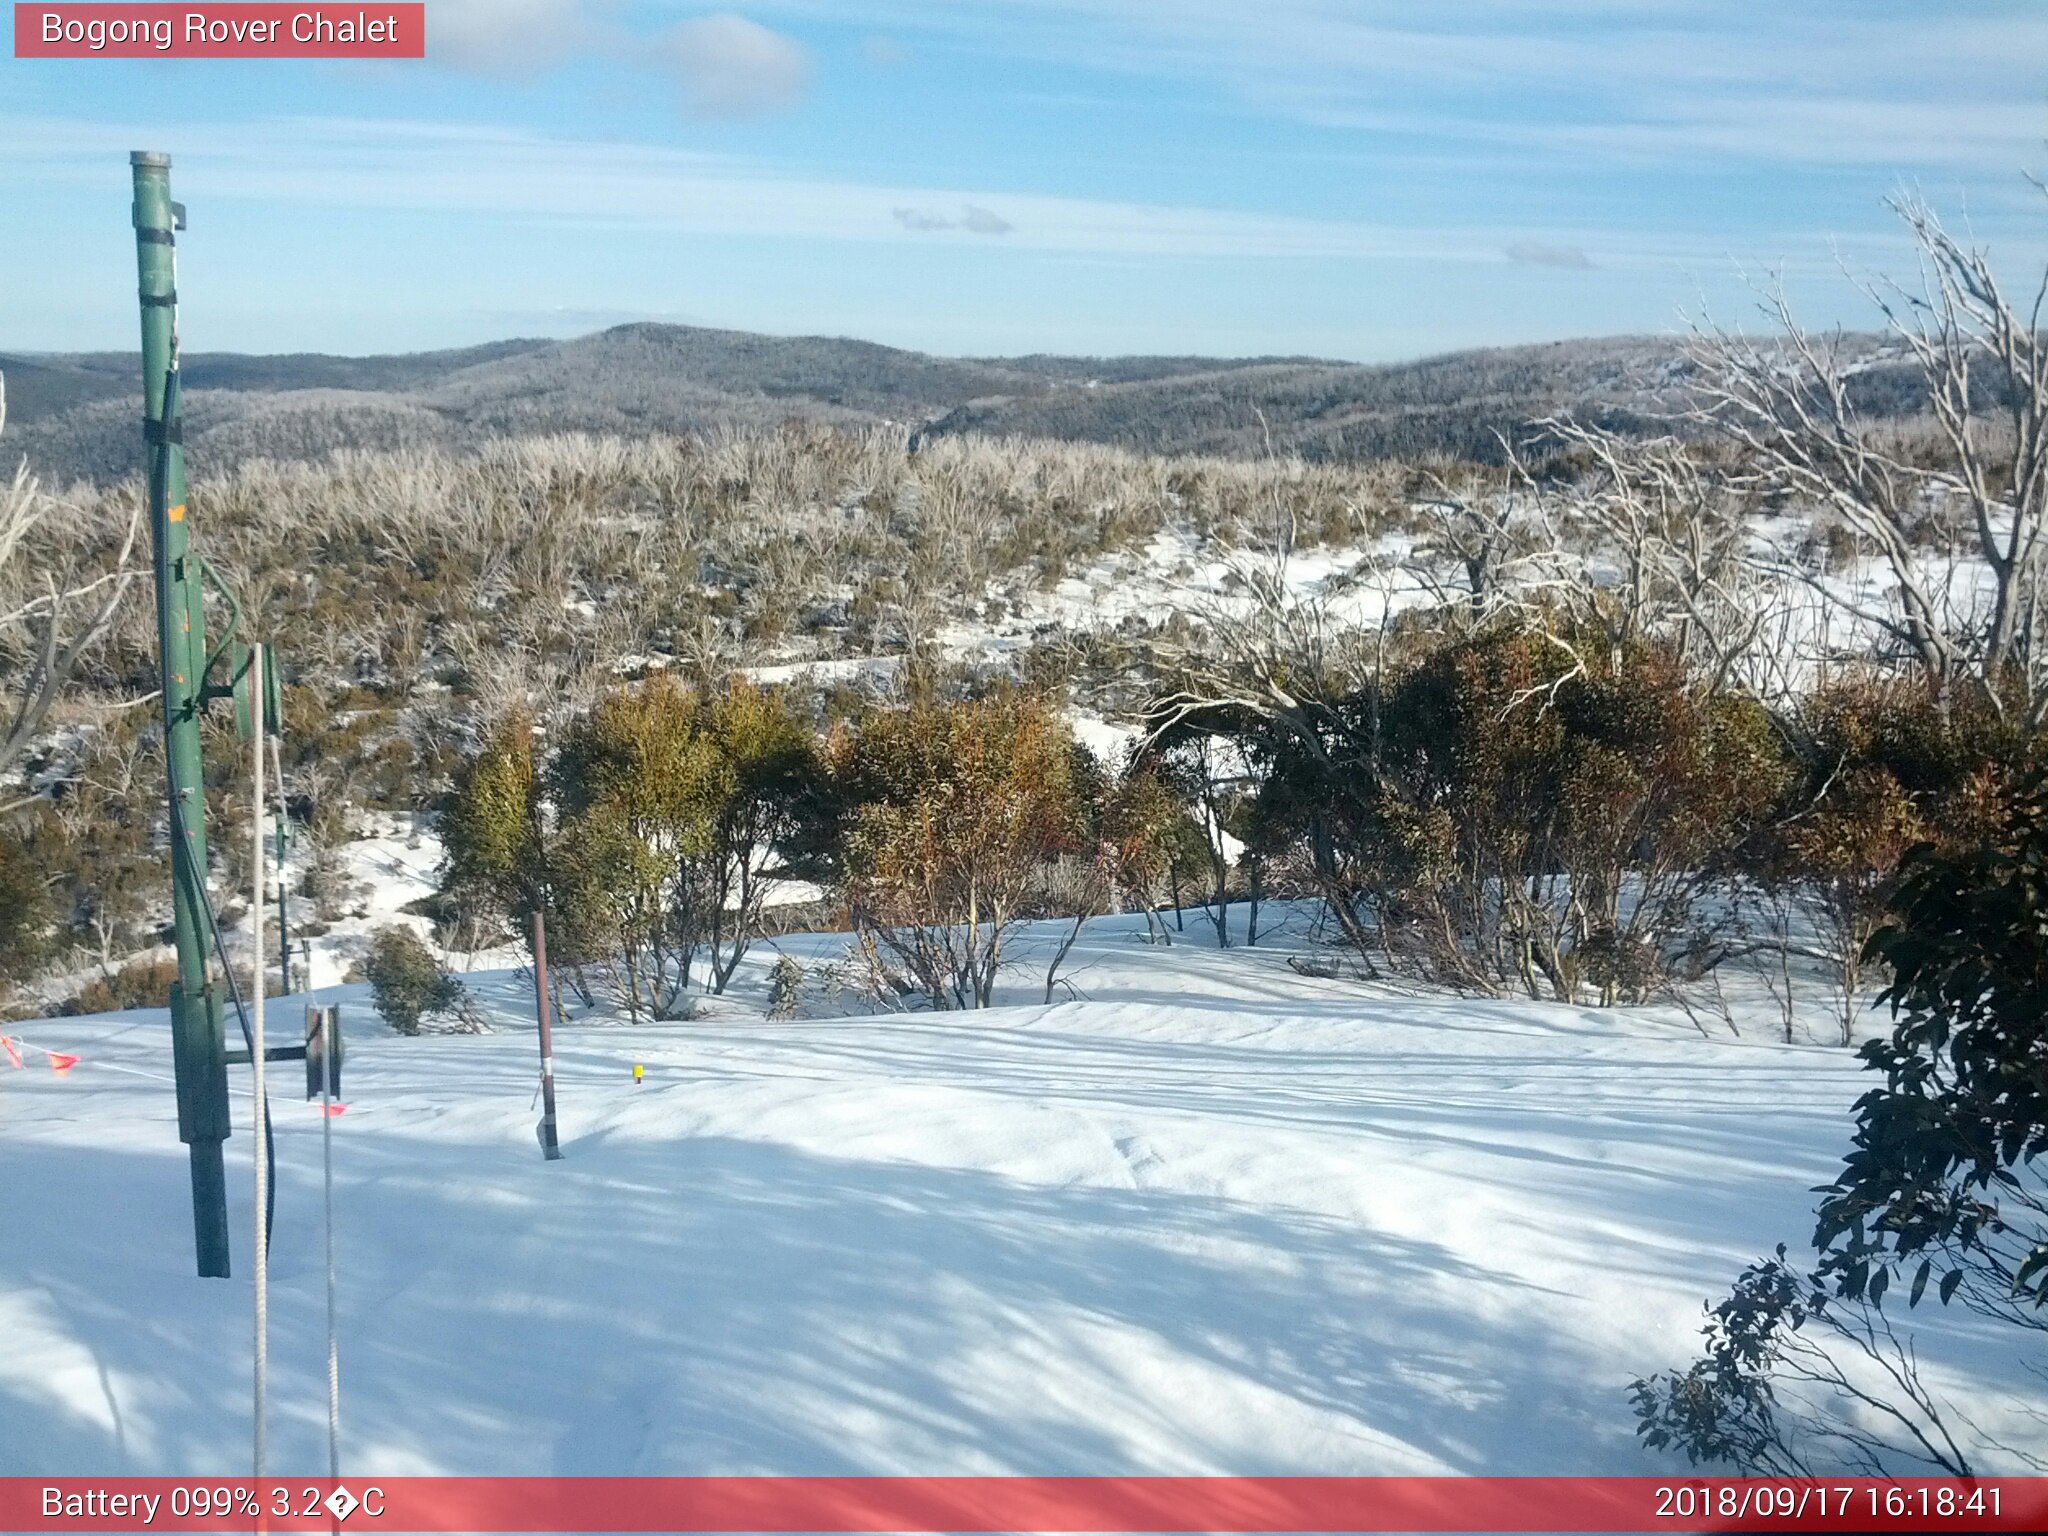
point(1769, 1386)
point(1944, 1175)
point(1943, 1179)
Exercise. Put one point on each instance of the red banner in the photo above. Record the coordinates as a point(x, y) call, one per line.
point(107, 29)
point(1047, 1504)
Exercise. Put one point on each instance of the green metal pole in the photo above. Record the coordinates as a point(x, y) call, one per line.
point(197, 1044)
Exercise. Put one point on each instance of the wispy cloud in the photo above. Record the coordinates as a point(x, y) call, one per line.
point(542, 181)
point(1633, 80)
point(973, 220)
point(457, 169)
point(1541, 253)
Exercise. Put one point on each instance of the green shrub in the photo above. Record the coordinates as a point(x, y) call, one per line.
point(953, 812)
point(408, 983)
point(1947, 1176)
point(24, 910)
point(138, 984)
point(1537, 825)
point(786, 981)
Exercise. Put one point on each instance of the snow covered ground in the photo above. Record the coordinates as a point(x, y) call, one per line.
point(1218, 1217)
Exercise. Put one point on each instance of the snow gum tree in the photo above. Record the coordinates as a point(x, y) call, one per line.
point(672, 805)
point(635, 784)
point(54, 606)
point(656, 832)
point(768, 792)
point(1531, 822)
point(953, 811)
point(1140, 816)
point(490, 825)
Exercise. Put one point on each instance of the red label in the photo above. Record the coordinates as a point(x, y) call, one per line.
point(111, 29)
point(1690, 1502)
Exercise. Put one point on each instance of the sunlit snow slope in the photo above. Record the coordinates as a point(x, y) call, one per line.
point(1217, 1217)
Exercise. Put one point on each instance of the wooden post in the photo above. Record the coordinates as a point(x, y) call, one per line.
point(549, 1145)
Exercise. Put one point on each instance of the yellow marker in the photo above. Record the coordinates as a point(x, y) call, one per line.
point(637, 1070)
point(178, 513)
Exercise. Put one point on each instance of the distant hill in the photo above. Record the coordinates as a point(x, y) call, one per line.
point(74, 415)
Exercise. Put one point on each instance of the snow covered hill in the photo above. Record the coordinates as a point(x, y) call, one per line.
point(1219, 1217)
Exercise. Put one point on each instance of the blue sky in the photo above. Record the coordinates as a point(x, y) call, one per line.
point(1340, 177)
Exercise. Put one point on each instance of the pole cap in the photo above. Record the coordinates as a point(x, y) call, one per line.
point(151, 159)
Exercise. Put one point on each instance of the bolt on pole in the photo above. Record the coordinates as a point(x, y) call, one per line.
point(197, 1019)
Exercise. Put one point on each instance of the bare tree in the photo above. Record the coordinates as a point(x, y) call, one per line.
point(1482, 545)
point(1661, 547)
point(1791, 403)
point(49, 618)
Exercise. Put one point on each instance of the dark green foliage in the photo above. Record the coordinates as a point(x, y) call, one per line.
point(490, 828)
point(1724, 1407)
point(786, 980)
point(408, 983)
point(24, 911)
point(1501, 815)
point(1879, 767)
point(1771, 1394)
point(1940, 1193)
point(1944, 1183)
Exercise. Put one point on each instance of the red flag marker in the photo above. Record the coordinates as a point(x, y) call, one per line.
point(60, 1063)
point(13, 1051)
point(335, 1109)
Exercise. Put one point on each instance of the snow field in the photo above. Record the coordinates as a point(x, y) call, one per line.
point(1216, 1218)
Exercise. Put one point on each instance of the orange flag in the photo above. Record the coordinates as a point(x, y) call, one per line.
point(60, 1063)
point(335, 1109)
point(13, 1051)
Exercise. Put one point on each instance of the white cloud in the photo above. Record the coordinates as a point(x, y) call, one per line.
point(726, 65)
point(731, 67)
point(509, 37)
